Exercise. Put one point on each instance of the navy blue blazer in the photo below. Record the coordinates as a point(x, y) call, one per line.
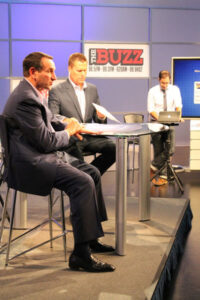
point(32, 141)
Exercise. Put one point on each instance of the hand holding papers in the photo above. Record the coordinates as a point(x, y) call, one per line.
point(104, 112)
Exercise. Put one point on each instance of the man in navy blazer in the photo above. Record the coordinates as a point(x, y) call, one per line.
point(38, 163)
point(74, 98)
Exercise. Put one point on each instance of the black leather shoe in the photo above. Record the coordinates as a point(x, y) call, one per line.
point(98, 247)
point(91, 264)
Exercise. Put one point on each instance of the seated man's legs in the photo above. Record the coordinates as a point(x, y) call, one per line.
point(158, 140)
point(83, 203)
point(107, 149)
point(95, 174)
point(85, 216)
point(95, 144)
point(171, 140)
point(164, 145)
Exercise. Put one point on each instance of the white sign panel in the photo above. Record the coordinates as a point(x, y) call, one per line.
point(117, 60)
point(196, 92)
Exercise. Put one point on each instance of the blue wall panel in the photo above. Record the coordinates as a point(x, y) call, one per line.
point(60, 52)
point(119, 95)
point(51, 22)
point(161, 55)
point(4, 59)
point(3, 21)
point(116, 24)
point(173, 25)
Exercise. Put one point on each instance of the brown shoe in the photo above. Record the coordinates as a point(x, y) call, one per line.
point(159, 181)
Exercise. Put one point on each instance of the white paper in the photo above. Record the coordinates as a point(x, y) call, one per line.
point(156, 127)
point(106, 113)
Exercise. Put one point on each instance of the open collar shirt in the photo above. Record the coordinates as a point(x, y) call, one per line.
point(80, 93)
point(155, 99)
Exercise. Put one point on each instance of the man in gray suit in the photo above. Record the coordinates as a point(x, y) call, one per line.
point(37, 163)
point(74, 98)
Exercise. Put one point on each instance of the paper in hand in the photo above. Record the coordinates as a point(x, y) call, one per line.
point(106, 113)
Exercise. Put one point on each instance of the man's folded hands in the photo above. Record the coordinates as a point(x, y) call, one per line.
point(75, 128)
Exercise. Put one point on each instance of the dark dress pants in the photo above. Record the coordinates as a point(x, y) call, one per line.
point(96, 144)
point(82, 183)
point(163, 145)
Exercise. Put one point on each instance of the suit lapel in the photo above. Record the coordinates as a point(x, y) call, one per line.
point(74, 99)
point(87, 103)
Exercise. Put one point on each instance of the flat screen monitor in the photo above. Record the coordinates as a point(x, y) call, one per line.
point(186, 75)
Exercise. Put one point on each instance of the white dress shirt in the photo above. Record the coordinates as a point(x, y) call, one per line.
point(80, 93)
point(155, 99)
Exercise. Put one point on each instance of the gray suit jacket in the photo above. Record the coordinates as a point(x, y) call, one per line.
point(33, 142)
point(63, 101)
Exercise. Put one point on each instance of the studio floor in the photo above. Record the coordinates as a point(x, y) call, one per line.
point(43, 274)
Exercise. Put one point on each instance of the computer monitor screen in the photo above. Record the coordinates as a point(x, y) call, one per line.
point(186, 75)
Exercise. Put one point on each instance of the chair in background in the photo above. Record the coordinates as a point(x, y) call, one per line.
point(50, 220)
point(133, 118)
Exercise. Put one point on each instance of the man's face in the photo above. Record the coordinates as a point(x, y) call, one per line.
point(45, 77)
point(78, 72)
point(164, 82)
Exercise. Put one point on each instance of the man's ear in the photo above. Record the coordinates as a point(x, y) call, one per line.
point(32, 72)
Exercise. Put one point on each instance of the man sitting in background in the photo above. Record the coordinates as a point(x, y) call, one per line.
point(163, 97)
point(74, 98)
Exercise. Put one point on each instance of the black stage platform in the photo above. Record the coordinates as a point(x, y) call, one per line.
point(152, 252)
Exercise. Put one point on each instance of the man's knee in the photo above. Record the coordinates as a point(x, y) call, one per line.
point(94, 173)
point(111, 147)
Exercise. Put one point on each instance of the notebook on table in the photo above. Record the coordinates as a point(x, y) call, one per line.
point(169, 117)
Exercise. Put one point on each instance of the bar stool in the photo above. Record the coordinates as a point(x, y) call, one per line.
point(50, 220)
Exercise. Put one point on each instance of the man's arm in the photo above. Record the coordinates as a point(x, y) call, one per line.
point(30, 119)
point(54, 102)
point(151, 106)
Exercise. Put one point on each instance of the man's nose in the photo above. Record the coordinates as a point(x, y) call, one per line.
point(54, 76)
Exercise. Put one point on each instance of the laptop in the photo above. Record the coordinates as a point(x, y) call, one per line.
point(169, 117)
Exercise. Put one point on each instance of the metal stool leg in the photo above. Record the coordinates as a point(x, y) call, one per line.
point(4, 213)
point(133, 162)
point(63, 224)
point(50, 207)
point(11, 227)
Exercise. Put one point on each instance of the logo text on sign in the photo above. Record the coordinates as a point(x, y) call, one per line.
point(126, 57)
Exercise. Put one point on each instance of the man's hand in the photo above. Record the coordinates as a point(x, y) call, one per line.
point(75, 128)
point(100, 115)
point(154, 115)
